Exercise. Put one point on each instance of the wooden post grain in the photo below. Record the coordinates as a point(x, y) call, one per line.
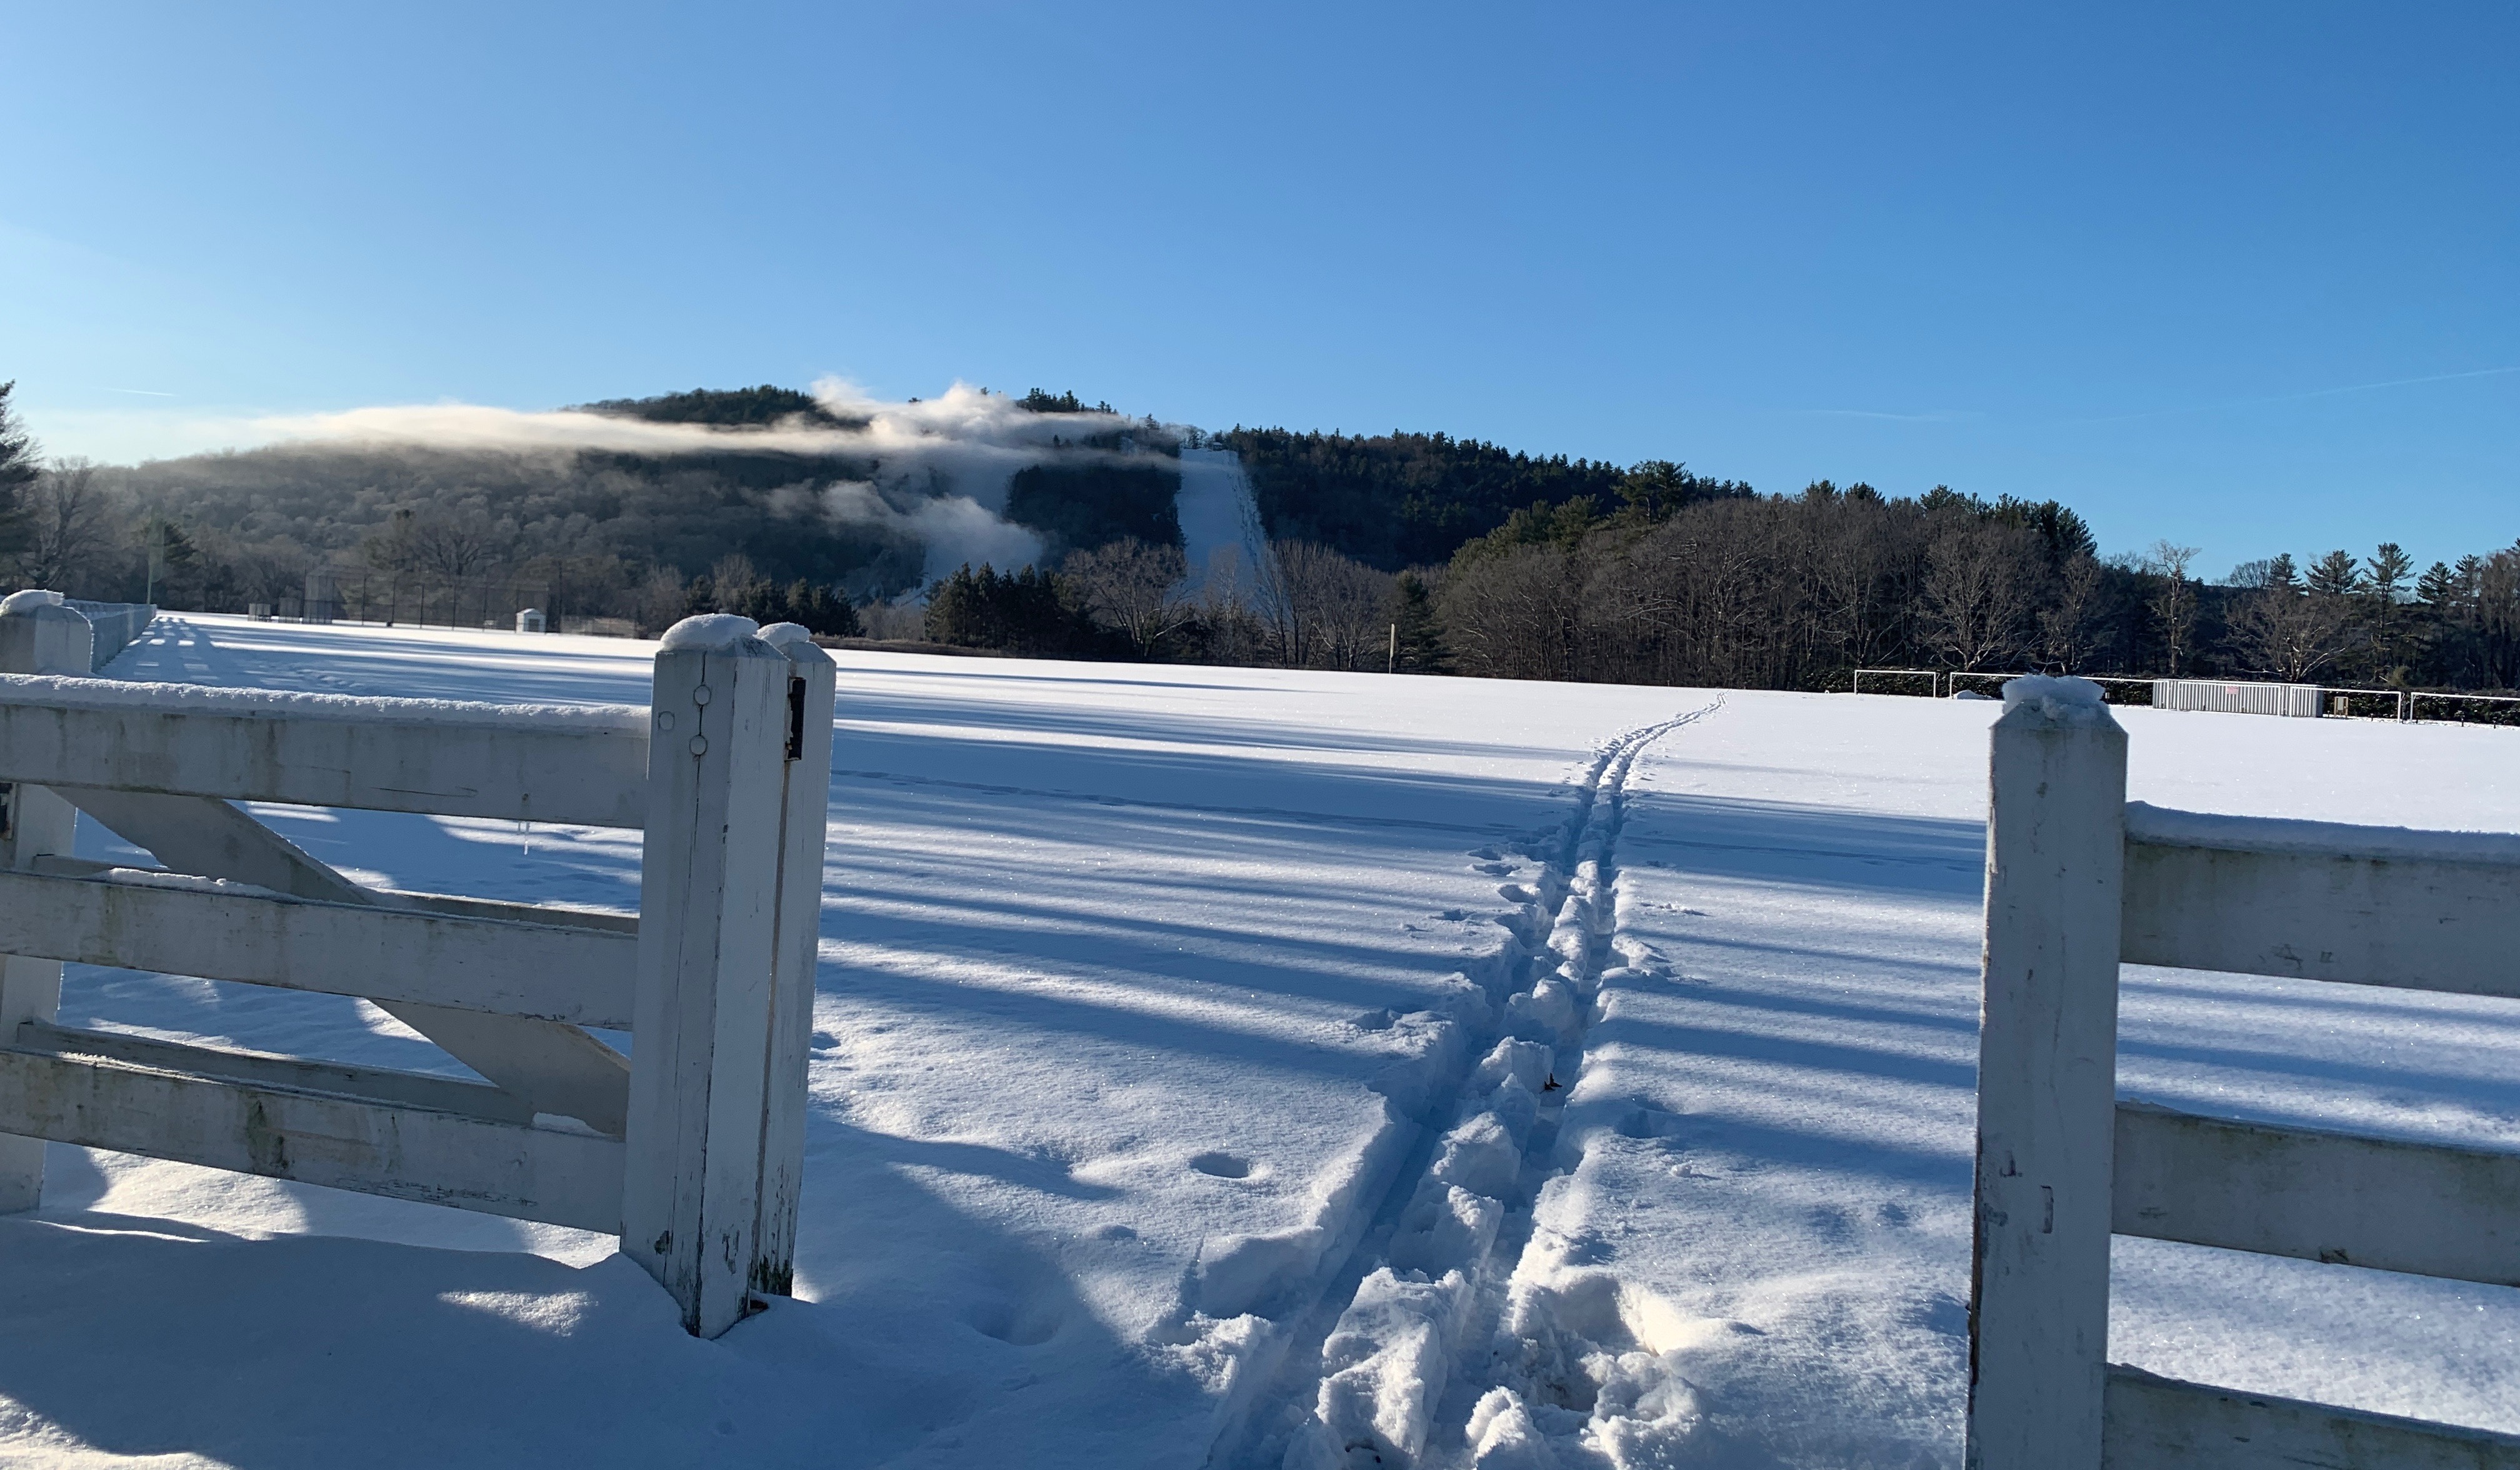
point(2046, 1082)
point(805, 805)
point(36, 637)
point(717, 1063)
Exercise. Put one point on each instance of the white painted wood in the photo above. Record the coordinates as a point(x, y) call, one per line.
point(117, 626)
point(443, 1095)
point(2047, 1089)
point(2155, 1421)
point(2365, 920)
point(2298, 700)
point(207, 837)
point(570, 767)
point(2429, 1209)
point(555, 1067)
point(722, 958)
point(804, 816)
point(552, 1174)
point(701, 1085)
point(565, 915)
point(580, 976)
point(34, 824)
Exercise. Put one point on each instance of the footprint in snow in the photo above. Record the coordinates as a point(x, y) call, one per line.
point(1218, 1164)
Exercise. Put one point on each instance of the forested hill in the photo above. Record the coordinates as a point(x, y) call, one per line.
point(725, 408)
point(252, 523)
point(1411, 500)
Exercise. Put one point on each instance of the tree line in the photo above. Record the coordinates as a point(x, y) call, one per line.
point(1416, 552)
point(1773, 592)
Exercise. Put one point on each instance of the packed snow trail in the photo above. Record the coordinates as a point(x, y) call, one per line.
point(1141, 988)
point(1370, 1395)
point(1135, 985)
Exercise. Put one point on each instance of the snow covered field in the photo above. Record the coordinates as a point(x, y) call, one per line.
point(1211, 1069)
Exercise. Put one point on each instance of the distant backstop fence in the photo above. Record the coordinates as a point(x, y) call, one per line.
point(2222, 696)
point(414, 600)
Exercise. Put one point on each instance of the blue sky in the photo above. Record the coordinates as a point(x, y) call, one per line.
point(2158, 262)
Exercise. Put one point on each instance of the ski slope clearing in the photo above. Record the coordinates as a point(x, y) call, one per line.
point(1259, 1068)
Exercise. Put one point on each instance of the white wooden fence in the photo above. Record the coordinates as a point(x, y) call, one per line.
point(117, 626)
point(2238, 697)
point(691, 1147)
point(2077, 881)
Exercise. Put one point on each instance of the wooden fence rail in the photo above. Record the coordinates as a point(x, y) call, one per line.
point(691, 1148)
point(2080, 880)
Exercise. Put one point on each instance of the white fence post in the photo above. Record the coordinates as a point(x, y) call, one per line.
point(37, 636)
point(2047, 1079)
point(717, 1061)
point(806, 806)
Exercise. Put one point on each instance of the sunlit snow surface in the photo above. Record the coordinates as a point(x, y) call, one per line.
point(1132, 998)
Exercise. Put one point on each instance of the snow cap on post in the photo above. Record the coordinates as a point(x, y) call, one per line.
point(2071, 702)
point(40, 636)
point(796, 641)
point(717, 633)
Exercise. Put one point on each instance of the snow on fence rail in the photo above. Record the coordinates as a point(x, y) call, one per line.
point(113, 626)
point(2080, 880)
point(117, 626)
point(690, 1149)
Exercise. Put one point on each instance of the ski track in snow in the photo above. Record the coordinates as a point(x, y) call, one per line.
point(1180, 1097)
point(1417, 1307)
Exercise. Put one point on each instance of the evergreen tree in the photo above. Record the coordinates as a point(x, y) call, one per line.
point(1030, 612)
point(2384, 582)
point(819, 609)
point(1420, 637)
point(2334, 575)
point(20, 464)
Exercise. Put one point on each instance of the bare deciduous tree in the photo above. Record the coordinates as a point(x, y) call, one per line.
point(1135, 586)
point(458, 546)
point(2066, 627)
point(2173, 600)
point(1320, 608)
point(1516, 617)
point(1981, 590)
point(66, 526)
point(658, 601)
point(2290, 633)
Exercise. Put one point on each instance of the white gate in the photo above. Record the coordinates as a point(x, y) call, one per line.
point(691, 1148)
point(2079, 880)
